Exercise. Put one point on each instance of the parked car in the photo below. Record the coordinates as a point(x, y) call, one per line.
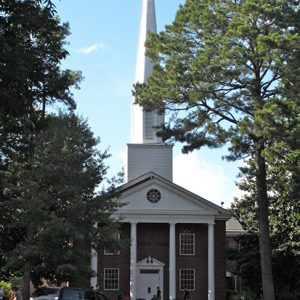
point(101, 296)
point(70, 293)
point(45, 294)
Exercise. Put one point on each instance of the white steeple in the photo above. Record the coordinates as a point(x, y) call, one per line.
point(146, 152)
point(143, 123)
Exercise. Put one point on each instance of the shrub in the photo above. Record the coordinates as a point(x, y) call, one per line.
point(245, 295)
point(6, 286)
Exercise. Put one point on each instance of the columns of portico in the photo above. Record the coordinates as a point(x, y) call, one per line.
point(94, 267)
point(172, 262)
point(211, 262)
point(133, 257)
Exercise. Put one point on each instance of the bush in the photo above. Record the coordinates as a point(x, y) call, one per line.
point(6, 286)
point(245, 295)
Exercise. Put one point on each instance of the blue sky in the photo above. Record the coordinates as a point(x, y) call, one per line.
point(103, 45)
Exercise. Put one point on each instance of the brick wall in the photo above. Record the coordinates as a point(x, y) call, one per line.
point(153, 240)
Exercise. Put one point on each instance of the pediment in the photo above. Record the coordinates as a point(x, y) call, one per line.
point(170, 199)
point(173, 200)
point(150, 262)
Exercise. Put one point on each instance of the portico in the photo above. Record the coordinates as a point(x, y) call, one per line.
point(172, 262)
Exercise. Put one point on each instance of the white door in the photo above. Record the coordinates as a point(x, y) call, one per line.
point(147, 282)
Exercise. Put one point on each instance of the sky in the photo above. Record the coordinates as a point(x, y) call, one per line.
point(103, 45)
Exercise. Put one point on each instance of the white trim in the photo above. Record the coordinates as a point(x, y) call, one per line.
point(94, 267)
point(133, 257)
point(146, 218)
point(211, 262)
point(172, 261)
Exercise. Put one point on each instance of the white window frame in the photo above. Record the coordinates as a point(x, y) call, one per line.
point(181, 235)
point(182, 286)
point(106, 252)
point(105, 279)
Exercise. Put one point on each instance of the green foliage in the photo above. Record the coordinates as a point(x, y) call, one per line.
point(246, 295)
point(50, 166)
point(221, 64)
point(6, 286)
point(32, 49)
point(284, 227)
point(54, 198)
point(247, 260)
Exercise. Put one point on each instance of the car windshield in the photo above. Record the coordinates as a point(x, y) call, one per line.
point(72, 294)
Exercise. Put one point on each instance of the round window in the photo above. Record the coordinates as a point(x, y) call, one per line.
point(153, 195)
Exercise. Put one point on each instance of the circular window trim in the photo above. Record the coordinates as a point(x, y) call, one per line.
point(153, 196)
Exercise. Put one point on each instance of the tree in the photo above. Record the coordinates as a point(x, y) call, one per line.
point(32, 40)
point(225, 70)
point(32, 48)
point(284, 197)
point(54, 198)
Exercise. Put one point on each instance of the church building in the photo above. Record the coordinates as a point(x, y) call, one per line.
point(177, 238)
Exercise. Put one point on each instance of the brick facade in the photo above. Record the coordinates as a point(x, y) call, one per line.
point(153, 240)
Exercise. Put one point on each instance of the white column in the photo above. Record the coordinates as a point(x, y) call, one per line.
point(172, 263)
point(133, 256)
point(94, 267)
point(211, 262)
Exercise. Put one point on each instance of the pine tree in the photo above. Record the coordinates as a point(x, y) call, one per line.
point(225, 71)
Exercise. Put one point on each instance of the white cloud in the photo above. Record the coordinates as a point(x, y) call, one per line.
point(90, 49)
point(204, 179)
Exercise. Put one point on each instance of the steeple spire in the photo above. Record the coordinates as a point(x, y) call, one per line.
point(148, 24)
point(143, 123)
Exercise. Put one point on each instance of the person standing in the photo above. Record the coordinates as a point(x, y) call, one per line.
point(16, 294)
point(186, 295)
point(13, 294)
point(158, 293)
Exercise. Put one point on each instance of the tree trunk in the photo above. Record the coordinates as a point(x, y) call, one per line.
point(26, 273)
point(263, 220)
point(26, 285)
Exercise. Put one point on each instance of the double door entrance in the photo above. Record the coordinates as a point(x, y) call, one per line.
point(149, 277)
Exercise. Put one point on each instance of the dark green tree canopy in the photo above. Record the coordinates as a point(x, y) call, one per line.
point(56, 197)
point(50, 165)
point(32, 48)
point(221, 69)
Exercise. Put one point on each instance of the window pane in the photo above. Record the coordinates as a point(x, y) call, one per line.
point(187, 279)
point(187, 244)
point(111, 279)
